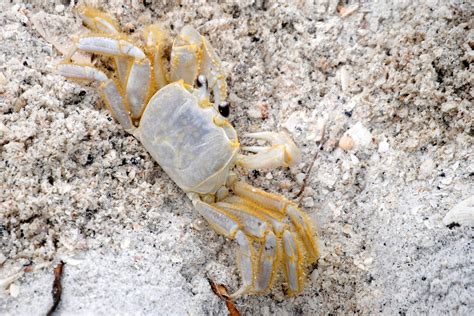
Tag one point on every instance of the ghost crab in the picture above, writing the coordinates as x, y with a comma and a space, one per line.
169, 110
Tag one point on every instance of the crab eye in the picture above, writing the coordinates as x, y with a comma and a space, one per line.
201, 81
224, 109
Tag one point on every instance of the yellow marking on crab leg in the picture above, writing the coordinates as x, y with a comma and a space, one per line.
138, 86
123, 66
212, 69
292, 264
155, 39
274, 218
281, 205
251, 224
305, 231
262, 198
185, 63
97, 20
186, 56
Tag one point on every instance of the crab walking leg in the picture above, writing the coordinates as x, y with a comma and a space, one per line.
292, 263
155, 39
139, 76
186, 56
282, 153
212, 69
97, 20
281, 205
267, 263
100, 22
109, 45
108, 89
228, 226
254, 225
138, 86
245, 255
263, 225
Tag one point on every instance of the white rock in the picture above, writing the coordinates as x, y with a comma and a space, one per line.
320, 127
384, 146
308, 201
462, 213
59, 8
300, 178
14, 290
448, 106
315, 276
345, 78
426, 169
295, 120
360, 136
125, 244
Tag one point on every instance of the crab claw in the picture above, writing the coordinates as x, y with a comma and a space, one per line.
282, 152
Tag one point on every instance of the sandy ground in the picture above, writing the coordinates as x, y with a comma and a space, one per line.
394, 80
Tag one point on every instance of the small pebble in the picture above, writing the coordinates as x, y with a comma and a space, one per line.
315, 276
449, 106
14, 290
59, 8
345, 77
360, 135
426, 169
384, 146
125, 243
346, 142
308, 201
346, 229
300, 178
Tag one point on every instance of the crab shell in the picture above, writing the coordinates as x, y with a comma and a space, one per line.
193, 144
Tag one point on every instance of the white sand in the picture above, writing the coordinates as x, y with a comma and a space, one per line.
75, 187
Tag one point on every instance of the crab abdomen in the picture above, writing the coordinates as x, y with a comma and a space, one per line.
185, 141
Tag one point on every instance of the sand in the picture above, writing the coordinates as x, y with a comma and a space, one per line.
391, 85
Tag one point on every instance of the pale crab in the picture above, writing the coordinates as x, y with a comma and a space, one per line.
168, 108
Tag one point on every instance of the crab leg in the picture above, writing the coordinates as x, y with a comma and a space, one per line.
138, 81
97, 20
155, 42
281, 205
228, 226
284, 245
107, 87
186, 56
212, 69
138, 86
292, 263
100, 22
283, 152
191, 56
268, 261
109, 45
